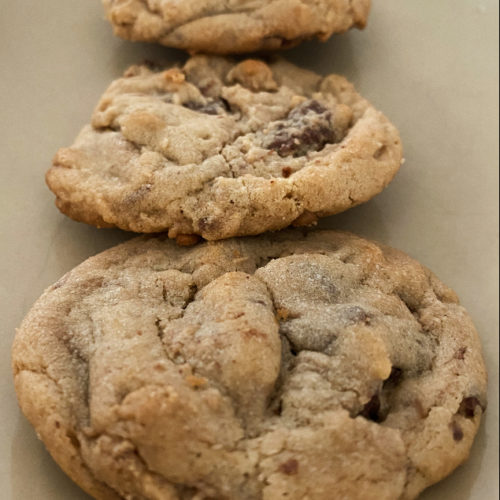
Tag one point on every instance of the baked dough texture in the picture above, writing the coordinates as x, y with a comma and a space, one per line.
221, 149
233, 26
312, 366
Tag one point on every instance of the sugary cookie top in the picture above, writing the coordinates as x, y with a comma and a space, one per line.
265, 368
235, 26
221, 148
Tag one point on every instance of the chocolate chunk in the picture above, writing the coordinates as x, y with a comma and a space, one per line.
287, 172
307, 128
306, 107
468, 407
290, 467
458, 433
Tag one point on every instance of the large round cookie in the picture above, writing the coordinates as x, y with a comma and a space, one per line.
220, 149
312, 367
235, 26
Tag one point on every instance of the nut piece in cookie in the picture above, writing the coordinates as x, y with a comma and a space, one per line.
274, 367
238, 26
221, 148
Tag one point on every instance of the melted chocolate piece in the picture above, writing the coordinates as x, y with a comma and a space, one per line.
468, 407
290, 467
379, 405
307, 128
458, 433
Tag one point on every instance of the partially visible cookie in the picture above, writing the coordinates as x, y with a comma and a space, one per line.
252, 369
237, 26
221, 149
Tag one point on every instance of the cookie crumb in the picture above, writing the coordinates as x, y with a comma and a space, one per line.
283, 314
187, 240
174, 75
196, 382
307, 219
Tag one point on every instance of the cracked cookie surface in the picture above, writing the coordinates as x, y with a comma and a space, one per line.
254, 369
235, 26
221, 149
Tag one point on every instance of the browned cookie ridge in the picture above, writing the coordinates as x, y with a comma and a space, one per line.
221, 149
235, 26
253, 369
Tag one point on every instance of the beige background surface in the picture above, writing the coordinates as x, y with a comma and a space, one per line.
432, 66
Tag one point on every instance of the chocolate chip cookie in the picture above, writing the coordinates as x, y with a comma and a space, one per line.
235, 26
255, 368
221, 149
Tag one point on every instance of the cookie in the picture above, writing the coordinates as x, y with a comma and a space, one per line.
238, 26
290, 366
221, 149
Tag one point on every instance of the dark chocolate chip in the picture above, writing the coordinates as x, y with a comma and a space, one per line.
458, 433
307, 128
73, 439
468, 407
290, 467
306, 107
